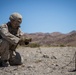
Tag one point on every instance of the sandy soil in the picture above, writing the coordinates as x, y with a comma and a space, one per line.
44, 61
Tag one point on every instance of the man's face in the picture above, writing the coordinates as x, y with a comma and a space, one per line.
15, 23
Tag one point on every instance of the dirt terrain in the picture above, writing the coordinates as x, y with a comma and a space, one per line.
44, 61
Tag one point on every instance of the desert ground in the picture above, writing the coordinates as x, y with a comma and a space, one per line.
44, 61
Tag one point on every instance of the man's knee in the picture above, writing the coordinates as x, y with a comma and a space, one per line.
16, 60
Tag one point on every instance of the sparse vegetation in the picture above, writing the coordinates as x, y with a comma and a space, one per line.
62, 45
33, 45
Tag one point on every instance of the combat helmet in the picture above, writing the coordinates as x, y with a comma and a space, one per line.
16, 16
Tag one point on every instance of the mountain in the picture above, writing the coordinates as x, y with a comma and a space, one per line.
55, 33
72, 32
54, 39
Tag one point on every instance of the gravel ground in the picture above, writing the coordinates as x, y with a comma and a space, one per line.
44, 61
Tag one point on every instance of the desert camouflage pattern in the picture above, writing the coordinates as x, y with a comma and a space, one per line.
9, 38
16, 16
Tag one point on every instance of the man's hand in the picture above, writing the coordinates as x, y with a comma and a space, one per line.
25, 40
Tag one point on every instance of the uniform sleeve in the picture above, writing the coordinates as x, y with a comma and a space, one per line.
8, 36
20, 33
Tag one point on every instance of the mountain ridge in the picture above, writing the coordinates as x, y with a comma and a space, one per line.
54, 38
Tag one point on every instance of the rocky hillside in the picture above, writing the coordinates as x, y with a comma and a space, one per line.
54, 39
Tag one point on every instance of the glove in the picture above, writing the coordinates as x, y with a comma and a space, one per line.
27, 41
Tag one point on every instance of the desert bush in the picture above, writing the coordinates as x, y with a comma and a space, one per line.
62, 45
34, 45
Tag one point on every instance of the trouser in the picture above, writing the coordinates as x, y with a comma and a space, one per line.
4, 50
7, 53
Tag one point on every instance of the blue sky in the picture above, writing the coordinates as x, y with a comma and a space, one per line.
45, 16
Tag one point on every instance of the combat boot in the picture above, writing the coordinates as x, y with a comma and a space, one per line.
0, 63
5, 63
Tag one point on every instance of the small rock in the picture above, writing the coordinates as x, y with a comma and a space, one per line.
53, 57
29, 66
16, 74
45, 56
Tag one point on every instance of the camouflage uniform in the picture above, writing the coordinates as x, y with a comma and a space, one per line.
9, 37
